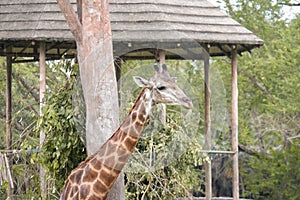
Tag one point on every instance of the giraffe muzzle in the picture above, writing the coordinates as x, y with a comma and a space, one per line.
187, 103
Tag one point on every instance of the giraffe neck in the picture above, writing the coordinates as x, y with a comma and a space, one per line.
94, 177
123, 141
134, 123
113, 155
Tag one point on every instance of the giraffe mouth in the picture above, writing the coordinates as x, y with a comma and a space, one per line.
187, 103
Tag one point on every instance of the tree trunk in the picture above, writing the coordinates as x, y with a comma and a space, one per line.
93, 35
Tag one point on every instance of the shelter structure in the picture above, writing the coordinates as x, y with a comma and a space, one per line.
139, 24
34, 30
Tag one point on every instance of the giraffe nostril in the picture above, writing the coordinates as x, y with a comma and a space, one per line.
187, 103
186, 99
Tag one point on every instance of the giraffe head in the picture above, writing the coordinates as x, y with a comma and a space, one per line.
164, 88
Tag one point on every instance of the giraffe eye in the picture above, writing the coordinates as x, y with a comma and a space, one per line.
161, 88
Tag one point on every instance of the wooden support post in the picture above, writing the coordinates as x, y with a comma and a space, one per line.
79, 10
207, 94
162, 57
163, 116
9, 113
234, 124
118, 65
42, 59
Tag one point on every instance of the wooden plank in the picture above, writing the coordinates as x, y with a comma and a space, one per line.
163, 26
60, 35
193, 3
33, 8
163, 17
35, 25
181, 36
21, 2
26, 2
31, 17
136, 8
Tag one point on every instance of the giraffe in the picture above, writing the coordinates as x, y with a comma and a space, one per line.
94, 177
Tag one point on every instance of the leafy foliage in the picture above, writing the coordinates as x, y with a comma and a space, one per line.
177, 179
63, 149
274, 176
268, 100
180, 179
167, 161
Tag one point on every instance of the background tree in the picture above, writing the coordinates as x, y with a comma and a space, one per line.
268, 100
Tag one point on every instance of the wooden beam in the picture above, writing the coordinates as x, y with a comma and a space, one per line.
234, 124
207, 118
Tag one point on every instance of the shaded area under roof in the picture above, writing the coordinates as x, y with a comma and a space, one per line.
139, 28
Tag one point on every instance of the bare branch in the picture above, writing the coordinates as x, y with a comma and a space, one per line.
27, 86
293, 137
260, 86
248, 151
72, 19
290, 4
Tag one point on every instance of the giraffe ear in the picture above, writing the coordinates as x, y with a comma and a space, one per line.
141, 82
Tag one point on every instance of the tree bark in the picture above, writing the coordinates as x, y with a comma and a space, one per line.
95, 57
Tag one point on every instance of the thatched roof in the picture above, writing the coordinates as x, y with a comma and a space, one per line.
136, 24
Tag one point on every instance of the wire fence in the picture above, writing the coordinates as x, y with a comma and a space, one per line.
23, 177
20, 173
